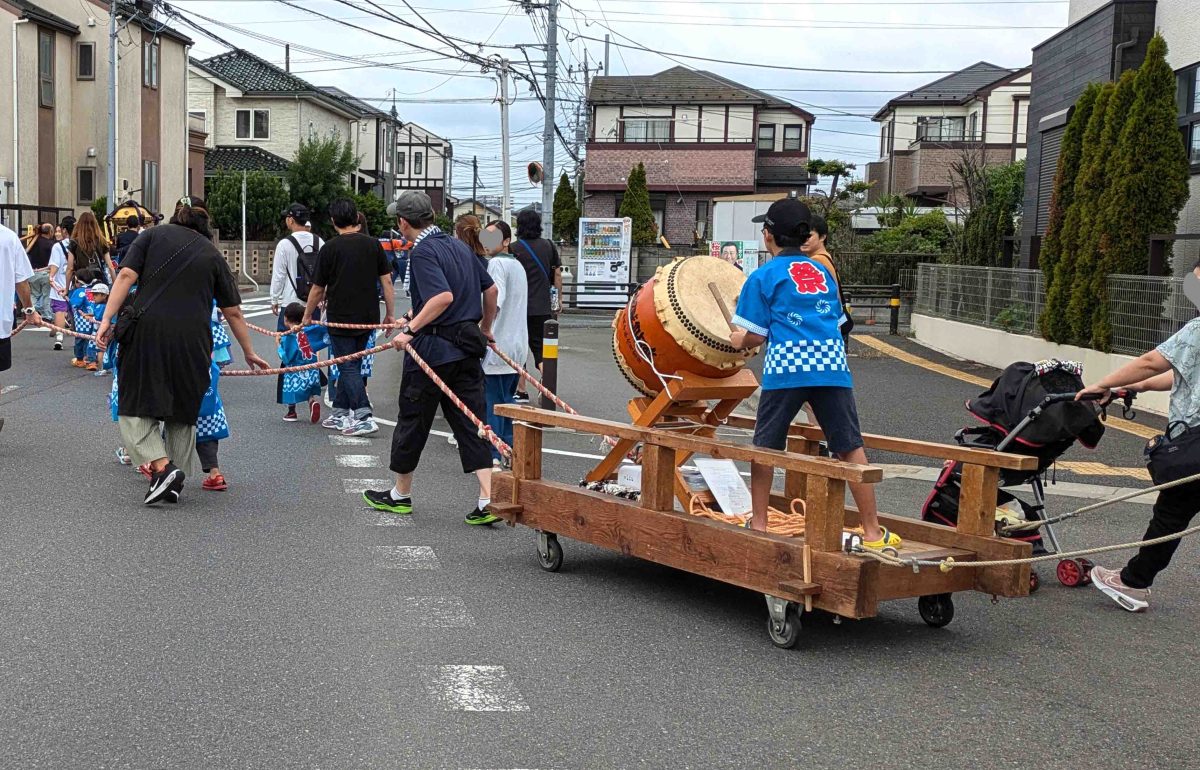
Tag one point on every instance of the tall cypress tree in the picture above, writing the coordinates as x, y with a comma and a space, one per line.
1063, 194
1149, 178
1093, 177
1057, 322
636, 206
566, 210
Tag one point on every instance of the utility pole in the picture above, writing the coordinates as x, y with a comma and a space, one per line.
505, 210
548, 126
394, 133
580, 132
112, 105
474, 182
606, 55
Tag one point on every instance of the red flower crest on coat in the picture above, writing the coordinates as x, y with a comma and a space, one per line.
808, 279
304, 345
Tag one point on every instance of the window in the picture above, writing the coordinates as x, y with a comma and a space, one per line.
150, 65
400, 163
973, 127
85, 61
793, 138
701, 219
150, 184
647, 130
87, 184
941, 129
253, 124
418, 163
45, 68
766, 137
1188, 96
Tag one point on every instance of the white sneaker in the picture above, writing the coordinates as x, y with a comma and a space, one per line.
361, 428
335, 422
451, 441
58, 340
1110, 584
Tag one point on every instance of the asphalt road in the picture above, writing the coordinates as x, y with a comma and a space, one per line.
281, 625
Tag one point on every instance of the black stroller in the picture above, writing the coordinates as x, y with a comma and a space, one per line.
1030, 409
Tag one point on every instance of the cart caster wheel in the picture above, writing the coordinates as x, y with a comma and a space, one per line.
786, 636
1035, 581
550, 552
1073, 572
936, 609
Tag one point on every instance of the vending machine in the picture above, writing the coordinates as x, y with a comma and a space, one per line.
603, 270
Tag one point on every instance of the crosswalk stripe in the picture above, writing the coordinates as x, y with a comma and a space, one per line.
359, 461
374, 518
408, 557
358, 486
474, 688
337, 440
434, 612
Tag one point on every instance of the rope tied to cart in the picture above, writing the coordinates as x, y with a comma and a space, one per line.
1011, 527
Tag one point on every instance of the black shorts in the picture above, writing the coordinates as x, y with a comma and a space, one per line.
833, 409
537, 334
5, 354
419, 401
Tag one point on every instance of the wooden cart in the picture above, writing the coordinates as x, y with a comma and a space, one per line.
793, 573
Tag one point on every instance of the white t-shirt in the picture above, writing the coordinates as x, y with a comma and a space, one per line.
283, 269
511, 328
58, 260
14, 268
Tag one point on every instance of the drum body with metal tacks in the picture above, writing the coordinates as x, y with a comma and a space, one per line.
673, 324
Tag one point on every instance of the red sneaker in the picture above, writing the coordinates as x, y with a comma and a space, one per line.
314, 412
146, 470
214, 483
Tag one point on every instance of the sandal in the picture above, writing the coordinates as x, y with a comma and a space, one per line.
889, 540
214, 483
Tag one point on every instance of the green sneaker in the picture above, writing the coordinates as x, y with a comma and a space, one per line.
382, 501
478, 517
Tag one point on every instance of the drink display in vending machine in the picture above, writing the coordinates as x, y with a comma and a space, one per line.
604, 250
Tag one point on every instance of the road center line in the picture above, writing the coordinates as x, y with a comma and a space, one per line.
475, 688
409, 557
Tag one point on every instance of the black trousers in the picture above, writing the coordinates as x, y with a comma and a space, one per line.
419, 402
1173, 512
207, 452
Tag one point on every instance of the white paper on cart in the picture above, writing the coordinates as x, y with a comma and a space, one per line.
725, 483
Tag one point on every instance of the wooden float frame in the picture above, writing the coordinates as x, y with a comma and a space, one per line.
812, 570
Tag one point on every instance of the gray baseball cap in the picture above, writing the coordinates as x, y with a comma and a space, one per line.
413, 205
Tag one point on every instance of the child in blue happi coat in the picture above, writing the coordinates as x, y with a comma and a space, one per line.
212, 425
109, 364
297, 350
98, 296
83, 315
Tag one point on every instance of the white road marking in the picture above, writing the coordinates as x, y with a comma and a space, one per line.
474, 688
374, 518
8, 389
405, 557
337, 440
359, 461
434, 612
358, 486
257, 313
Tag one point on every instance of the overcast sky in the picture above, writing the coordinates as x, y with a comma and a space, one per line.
885, 35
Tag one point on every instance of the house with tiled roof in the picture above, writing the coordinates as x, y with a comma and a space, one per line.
375, 138
256, 114
58, 159
699, 135
982, 109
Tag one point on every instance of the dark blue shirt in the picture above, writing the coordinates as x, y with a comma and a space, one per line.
439, 263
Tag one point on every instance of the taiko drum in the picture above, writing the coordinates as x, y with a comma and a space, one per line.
679, 324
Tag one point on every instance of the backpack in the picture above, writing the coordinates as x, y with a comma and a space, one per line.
306, 266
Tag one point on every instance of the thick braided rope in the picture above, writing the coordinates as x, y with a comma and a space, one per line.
305, 367
1028, 526
949, 563
327, 324
61, 329
485, 430
532, 380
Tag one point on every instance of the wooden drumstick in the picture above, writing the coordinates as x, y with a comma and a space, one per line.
712, 287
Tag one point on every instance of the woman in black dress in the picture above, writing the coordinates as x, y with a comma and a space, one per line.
163, 369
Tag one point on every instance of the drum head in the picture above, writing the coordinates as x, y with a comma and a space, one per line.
685, 304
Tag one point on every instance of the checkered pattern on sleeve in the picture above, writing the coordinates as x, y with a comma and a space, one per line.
220, 336
791, 356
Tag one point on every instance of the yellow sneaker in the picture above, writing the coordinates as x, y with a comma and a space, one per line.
889, 540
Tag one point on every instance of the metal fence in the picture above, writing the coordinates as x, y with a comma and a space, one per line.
860, 268
1143, 311
998, 298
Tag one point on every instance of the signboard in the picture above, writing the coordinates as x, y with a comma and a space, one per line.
741, 254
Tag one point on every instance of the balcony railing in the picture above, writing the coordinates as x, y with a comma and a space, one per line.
676, 140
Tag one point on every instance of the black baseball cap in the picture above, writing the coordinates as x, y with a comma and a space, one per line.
785, 217
297, 211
